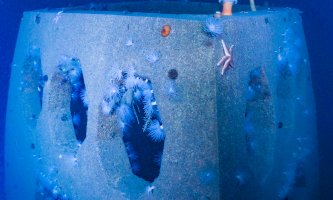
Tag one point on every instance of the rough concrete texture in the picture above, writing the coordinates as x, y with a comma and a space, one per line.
208, 152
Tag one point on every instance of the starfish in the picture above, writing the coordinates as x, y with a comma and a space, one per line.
227, 59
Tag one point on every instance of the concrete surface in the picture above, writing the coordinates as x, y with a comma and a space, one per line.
206, 151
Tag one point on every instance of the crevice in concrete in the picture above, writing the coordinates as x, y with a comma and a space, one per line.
72, 71
131, 98
32, 85
144, 138
258, 100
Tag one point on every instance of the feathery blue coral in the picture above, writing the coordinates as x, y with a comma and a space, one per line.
213, 27
153, 57
125, 113
155, 131
84, 97
132, 99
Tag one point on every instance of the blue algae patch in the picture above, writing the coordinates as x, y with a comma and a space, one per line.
213, 27
131, 98
72, 71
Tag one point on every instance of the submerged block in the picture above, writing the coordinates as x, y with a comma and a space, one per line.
147, 114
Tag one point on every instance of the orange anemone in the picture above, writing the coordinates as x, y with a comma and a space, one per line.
165, 30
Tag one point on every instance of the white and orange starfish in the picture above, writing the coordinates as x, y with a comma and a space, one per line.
227, 58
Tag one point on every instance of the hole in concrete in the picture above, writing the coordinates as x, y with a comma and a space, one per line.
173, 74
72, 71
280, 125
32, 84
258, 86
37, 19
132, 100
258, 107
144, 138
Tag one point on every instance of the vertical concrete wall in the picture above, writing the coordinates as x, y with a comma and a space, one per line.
249, 134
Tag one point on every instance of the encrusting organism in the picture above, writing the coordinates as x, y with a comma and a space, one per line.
129, 42
125, 113
213, 27
84, 97
156, 131
153, 57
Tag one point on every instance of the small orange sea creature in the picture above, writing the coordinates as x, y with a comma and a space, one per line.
166, 31
227, 8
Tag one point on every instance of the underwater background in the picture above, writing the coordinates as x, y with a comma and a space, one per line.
318, 27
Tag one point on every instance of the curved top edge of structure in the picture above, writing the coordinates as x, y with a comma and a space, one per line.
164, 8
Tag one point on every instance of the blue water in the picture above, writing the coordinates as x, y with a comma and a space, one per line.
318, 27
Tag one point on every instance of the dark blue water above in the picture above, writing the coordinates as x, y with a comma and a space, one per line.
318, 27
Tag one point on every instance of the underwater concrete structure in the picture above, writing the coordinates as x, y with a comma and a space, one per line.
85, 80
